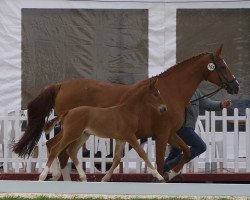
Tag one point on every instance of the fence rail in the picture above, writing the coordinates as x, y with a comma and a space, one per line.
227, 139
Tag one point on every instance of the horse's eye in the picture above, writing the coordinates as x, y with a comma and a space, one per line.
156, 93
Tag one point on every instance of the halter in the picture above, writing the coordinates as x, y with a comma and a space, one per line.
224, 81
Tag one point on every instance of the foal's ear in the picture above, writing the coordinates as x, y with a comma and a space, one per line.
218, 51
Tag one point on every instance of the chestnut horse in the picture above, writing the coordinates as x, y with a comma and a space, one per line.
116, 122
177, 85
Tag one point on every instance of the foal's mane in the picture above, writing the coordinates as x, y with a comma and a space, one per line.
133, 91
166, 72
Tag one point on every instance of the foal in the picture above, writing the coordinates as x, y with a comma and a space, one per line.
117, 122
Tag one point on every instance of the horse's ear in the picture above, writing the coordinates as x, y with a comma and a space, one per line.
218, 51
152, 82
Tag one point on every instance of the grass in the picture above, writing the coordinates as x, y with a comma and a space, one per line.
76, 197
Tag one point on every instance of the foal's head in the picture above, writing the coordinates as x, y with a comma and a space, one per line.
147, 94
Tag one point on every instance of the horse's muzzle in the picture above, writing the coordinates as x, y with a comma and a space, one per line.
233, 87
162, 108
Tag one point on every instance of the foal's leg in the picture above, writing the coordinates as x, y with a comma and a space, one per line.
160, 149
72, 150
55, 151
55, 168
63, 160
119, 146
135, 144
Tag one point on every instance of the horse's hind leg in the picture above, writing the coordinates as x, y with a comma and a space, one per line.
72, 150
135, 144
177, 142
119, 146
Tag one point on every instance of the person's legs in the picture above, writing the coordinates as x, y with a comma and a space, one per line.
172, 159
192, 139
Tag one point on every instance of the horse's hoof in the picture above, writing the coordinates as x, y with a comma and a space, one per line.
162, 181
179, 177
155, 180
168, 176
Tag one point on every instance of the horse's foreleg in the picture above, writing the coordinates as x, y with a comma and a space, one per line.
72, 150
135, 144
119, 146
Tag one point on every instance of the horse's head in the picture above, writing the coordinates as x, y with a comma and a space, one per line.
153, 98
219, 73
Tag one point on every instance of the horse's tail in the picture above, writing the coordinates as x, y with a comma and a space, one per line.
38, 109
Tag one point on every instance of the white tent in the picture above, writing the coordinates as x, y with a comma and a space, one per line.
161, 34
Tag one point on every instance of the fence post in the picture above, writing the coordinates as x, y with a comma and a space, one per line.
236, 140
247, 140
213, 147
207, 137
224, 132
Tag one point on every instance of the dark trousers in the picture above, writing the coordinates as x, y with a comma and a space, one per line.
192, 139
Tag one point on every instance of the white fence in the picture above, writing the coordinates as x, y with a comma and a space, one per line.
227, 139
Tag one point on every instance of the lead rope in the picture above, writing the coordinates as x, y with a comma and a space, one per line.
207, 95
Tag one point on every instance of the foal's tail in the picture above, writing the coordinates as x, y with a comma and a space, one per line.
50, 124
38, 109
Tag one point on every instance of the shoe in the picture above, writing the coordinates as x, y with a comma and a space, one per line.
168, 176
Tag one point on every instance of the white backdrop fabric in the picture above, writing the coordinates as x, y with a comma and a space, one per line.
162, 35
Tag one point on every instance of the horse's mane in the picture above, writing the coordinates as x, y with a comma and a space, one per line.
166, 72
163, 74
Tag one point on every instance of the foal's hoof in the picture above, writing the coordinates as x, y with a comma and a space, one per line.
83, 179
